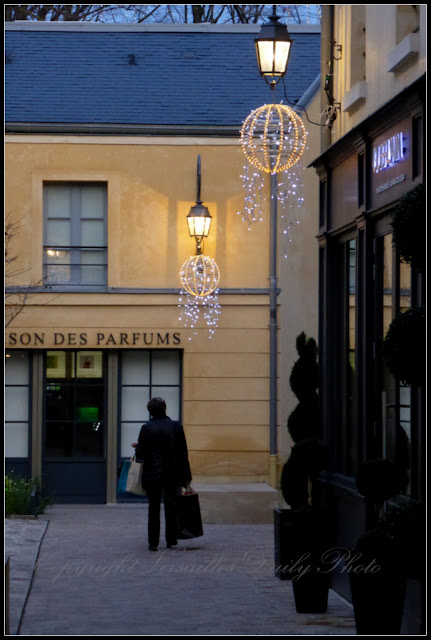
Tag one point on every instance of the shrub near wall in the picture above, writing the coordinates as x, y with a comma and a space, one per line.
22, 496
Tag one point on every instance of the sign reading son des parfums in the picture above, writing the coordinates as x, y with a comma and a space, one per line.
61, 339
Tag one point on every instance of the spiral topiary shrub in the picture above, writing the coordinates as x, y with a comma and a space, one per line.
378, 480
309, 455
404, 346
409, 227
304, 381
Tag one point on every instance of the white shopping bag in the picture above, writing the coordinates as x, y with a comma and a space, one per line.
134, 484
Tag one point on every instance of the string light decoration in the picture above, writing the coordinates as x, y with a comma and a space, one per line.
200, 277
273, 138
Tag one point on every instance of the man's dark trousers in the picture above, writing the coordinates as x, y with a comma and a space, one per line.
155, 491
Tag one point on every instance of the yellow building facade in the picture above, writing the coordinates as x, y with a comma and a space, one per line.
117, 343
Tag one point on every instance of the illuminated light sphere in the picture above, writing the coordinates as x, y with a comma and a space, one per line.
273, 138
200, 276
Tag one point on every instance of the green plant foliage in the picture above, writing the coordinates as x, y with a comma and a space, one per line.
378, 480
404, 346
409, 228
18, 496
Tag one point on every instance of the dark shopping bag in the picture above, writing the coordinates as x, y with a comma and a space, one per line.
189, 521
122, 480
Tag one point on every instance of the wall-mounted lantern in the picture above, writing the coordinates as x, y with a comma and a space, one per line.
199, 218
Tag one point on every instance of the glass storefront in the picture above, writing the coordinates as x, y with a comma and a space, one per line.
76, 410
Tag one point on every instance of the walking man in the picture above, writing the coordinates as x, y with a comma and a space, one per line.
162, 448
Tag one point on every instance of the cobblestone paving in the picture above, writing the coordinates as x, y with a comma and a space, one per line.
95, 576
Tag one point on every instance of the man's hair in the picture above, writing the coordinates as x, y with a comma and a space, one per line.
157, 407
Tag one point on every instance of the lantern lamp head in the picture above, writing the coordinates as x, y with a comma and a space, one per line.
273, 49
199, 217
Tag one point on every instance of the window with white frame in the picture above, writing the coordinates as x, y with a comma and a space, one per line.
17, 404
75, 233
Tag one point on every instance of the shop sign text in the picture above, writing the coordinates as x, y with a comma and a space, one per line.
99, 339
388, 153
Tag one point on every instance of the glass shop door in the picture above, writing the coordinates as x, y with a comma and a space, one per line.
74, 429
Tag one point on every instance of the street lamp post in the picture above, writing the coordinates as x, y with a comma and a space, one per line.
272, 49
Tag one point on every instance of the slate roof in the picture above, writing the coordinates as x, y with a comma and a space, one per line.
145, 75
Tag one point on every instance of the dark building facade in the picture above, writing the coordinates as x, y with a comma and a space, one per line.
366, 413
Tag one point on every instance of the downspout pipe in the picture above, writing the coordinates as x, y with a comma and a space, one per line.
273, 328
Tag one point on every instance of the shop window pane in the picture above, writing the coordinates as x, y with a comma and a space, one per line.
16, 403
350, 454
136, 367
89, 403
387, 282
405, 286
153, 370
92, 201
17, 368
171, 395
89, 439
89, 365
60, 365
59, 402
59, 439
16, 440
166, 368
129, 434
134, 403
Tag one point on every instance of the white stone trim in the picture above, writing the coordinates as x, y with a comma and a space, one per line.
403, 53
355, 96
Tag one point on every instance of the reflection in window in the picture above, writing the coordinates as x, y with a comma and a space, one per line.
351, 362
403, 437
387, 282
405, 286
74, 404
395, 397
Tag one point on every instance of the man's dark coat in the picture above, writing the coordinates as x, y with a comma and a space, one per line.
162, 448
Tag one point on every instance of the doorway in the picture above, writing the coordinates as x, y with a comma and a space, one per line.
74, 426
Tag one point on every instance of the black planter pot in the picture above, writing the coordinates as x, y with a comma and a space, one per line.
283, 519
378, 600
301, 538
311, 590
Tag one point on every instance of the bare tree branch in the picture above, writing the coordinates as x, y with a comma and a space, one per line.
16, 296
137, 13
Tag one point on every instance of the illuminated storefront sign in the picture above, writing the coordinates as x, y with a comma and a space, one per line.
388, 153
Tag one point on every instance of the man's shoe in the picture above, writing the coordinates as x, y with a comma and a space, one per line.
153, 548
173, 544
